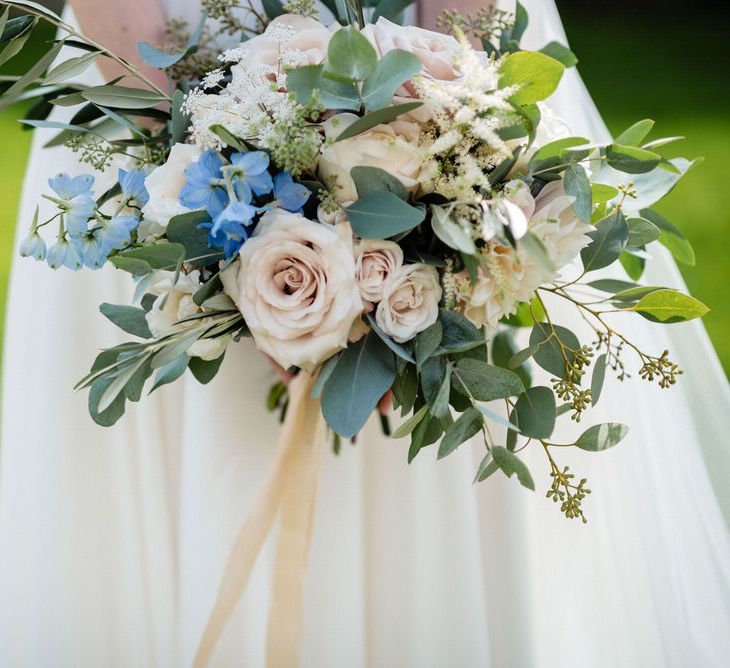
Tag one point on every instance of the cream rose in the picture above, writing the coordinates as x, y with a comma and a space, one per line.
174, 303
165, 183
437, 52
393, 147
376, 263
410, 302
295, 285
303, 36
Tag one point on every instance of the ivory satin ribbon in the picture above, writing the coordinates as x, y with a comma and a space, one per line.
290, 490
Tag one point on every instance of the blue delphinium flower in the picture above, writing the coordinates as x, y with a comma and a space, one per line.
91, 249
250, 174
76, 201
289, 195
133, 188
117, 232
64, 254
229, 229
203, 189
33, 246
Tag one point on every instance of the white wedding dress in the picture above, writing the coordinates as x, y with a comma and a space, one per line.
113, 541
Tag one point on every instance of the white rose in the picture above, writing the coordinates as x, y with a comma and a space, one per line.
410, 302
376, 262
438, 53
302, 36
165, 183
393, 147
174, 303
295, 285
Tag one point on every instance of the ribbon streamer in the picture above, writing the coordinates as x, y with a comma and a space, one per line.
290, 489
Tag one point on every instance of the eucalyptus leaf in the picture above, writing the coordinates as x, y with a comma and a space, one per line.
128, 318
351, 55
636, 134
370, 120
535, 74
510, 464
364, 373
303, 81
440, 406
597, 379
608, 241
369, 180
158, 256
380, 215
641, 232
452, 233
70, 68
602, 436
458, 334
111, 414
393, 70
428, 341
561, 53
669, 306
486, 468
554, 345
577, 185
174, 348
205, 370
486, 382
671, 237
396, 347
467, 425
630, 159
535, 412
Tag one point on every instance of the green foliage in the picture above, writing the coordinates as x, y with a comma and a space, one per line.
393, 70
364, 372
608, 241
380, 215
350, 56
128, 318
535, 74
601, 437
535, 412
669, 306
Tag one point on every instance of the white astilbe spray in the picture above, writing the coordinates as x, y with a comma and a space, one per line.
466, 116
255, 105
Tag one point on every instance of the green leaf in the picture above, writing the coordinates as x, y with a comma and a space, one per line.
351, 55
411, 423
381, 215
183, 230
428, 431
535, 412
16, 43
641, 232
603, 193
129, 318
536, 74
394, 69
135, 385
549, 354
303, 81
669, 306
630, 159
602, 436
205, 370
672, 238
158, 256
497, 418
636, 134
561, 53
536, 248
459, 334
486, 468
520, 357
553, 154
365, 371
396, 347
486, 382
180, 120
120, 379
427, 342
369, 121
121, 97
577, 185
504, 352
440, 406
599, 375
170, 372
370, 180
467, 425
611, 285
510, 464
608, 241
633, 265
273, 8
70, 68
431, 376
405, 388
390, 9
39, 8
14, 27
453, 234
112, 413
174, 348
35, 71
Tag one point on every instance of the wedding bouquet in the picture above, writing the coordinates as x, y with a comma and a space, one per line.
386, 209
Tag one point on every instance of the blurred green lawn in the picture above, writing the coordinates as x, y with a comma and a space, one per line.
633, 71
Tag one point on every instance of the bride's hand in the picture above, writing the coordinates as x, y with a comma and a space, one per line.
119, 26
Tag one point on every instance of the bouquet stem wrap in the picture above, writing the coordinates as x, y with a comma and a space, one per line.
291, 492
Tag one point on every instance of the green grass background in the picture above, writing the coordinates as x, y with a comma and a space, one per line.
672, 71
